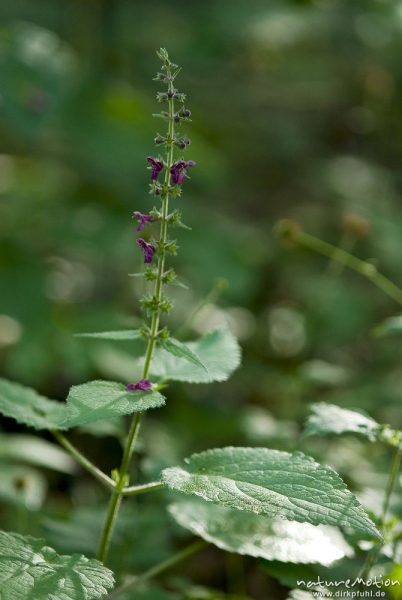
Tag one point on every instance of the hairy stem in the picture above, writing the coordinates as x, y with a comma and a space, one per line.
123, 476
158, 569
83, 460
141, 489
339, 255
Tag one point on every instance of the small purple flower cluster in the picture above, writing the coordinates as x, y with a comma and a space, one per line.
178, 173
178, 170
143, 385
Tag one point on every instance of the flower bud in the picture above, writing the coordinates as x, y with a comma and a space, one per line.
355, 224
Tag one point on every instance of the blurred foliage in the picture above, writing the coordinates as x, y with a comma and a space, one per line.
296, 112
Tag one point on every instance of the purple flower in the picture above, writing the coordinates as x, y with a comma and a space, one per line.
178, 171
156, 167
142, 219
143, 384
147, 249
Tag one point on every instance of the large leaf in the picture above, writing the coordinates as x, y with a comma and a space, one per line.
274, 483
328, 418
26, 406
259, 536
128, 334
29, 570
218, 351
106, 399
181, 350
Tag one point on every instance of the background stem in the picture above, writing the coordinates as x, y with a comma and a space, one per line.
163, 566
366, 269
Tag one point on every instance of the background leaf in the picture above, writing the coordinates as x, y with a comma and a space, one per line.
391, 326
22, 486
274, 483
259, 536
218, 351
105, 399
35, 451
30, 408
31, 570
328, 418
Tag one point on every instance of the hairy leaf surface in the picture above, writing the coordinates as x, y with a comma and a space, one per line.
218, 351
259, 536
29, 570
329, 418
26, 406
274, 483
105, 399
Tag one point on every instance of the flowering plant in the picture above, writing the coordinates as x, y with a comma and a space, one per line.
254, 501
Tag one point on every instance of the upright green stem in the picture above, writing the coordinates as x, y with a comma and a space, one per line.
123, 475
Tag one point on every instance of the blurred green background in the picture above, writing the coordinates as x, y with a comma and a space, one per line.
296, 111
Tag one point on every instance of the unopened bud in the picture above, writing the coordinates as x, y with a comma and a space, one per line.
355, 224
287, 230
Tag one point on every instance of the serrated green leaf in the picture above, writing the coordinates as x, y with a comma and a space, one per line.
129, 334
181, 350
274, 483
26, 406
218, 351
98, 400
259, 536
328, 418
30, 570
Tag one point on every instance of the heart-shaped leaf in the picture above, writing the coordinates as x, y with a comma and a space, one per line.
274, 483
